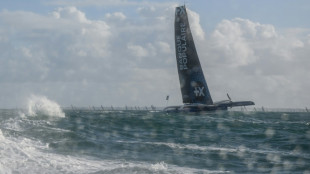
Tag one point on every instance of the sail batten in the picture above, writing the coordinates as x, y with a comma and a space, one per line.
193, 85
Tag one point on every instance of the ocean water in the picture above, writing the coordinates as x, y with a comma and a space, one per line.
88, 141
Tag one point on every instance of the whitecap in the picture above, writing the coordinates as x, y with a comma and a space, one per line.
23, 155
41, 105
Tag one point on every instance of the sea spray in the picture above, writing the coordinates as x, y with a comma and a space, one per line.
41, 105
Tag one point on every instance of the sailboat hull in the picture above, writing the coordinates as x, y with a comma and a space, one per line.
191, 108
207, 108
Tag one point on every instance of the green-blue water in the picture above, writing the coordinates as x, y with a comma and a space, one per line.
154, 142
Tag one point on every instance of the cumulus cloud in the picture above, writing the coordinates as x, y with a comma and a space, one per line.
137, 50
119, 60
115, 16
83, 3
196, 28
77, 60
238, 38
259, 62
70, 13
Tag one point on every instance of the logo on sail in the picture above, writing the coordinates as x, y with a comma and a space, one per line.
199, 91
182, 47
180, 10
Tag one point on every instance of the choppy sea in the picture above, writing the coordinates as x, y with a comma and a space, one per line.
89, 141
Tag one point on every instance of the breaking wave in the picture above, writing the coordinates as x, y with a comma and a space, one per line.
23, 155
41, 105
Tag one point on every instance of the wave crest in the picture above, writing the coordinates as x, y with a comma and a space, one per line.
41, 105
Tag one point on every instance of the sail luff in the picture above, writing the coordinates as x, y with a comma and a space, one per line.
193, 85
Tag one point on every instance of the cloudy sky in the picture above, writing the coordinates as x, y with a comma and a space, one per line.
118, 52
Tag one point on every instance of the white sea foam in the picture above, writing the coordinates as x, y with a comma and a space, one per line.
38, 105
194, 147
160, 166
240, 150
23, 155
21, 114
12, 124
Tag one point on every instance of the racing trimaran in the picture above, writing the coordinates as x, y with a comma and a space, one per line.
195, 92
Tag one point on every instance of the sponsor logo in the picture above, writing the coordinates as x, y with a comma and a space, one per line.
199, 91
182, 48
180, 10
